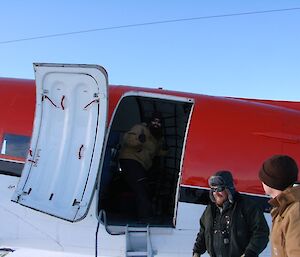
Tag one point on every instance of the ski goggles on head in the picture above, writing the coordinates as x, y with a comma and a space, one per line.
218, 189
216, 181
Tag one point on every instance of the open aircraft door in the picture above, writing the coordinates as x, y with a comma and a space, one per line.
66, 146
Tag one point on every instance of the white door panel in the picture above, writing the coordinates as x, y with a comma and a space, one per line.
70, 120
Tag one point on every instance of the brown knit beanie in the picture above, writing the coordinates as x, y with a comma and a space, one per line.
279, 172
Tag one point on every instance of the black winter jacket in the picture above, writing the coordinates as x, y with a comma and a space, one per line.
249, 229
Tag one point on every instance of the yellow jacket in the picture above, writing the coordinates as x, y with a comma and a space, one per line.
143, 152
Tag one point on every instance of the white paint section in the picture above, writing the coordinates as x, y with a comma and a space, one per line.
42, 253
188, 215
25, 229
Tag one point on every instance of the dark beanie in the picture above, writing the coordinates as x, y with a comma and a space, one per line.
156, 115
279, 172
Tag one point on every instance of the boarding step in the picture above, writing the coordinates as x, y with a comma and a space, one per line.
138, 242
137, 254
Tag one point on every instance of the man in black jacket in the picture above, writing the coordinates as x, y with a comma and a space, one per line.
230, 226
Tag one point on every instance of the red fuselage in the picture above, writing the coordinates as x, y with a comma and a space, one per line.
223, 134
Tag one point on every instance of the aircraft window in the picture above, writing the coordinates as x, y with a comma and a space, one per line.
11, 168
15, 145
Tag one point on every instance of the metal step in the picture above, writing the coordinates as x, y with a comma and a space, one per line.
137, 254
138, 242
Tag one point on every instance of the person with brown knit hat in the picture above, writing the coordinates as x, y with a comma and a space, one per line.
231, 225
279, 175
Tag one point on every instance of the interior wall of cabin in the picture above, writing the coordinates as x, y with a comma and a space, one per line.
116, 197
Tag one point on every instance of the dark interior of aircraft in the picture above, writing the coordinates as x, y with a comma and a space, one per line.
116, 197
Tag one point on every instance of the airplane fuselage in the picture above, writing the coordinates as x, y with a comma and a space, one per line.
203, 134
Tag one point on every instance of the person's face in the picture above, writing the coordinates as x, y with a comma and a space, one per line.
156, 123
270, 191
266, 188
220, 194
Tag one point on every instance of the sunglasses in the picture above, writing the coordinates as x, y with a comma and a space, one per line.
157, 123
217, 189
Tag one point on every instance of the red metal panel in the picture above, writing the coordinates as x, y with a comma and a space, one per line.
225, 133
237, 135
17, 106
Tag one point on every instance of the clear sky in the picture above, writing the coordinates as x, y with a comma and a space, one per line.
219, 53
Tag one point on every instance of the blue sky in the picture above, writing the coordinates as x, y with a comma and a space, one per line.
253, 56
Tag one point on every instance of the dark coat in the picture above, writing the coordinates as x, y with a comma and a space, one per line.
249, 229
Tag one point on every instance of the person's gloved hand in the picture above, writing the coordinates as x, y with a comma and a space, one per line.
142, 138
196, 255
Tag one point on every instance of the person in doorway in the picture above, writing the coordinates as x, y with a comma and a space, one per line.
231, 226
278, 174
139, 147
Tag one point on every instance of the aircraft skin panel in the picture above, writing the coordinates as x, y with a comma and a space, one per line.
17, 110
237, 135
17, 106
67, 125
222, 125
286, 104
244, 121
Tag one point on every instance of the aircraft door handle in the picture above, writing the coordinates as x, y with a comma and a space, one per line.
62, 102
80, 152
94, 101
46, 97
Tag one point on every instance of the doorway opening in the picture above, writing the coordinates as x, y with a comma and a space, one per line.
116, 197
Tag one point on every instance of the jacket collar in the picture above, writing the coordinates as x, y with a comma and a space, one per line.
283, 200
